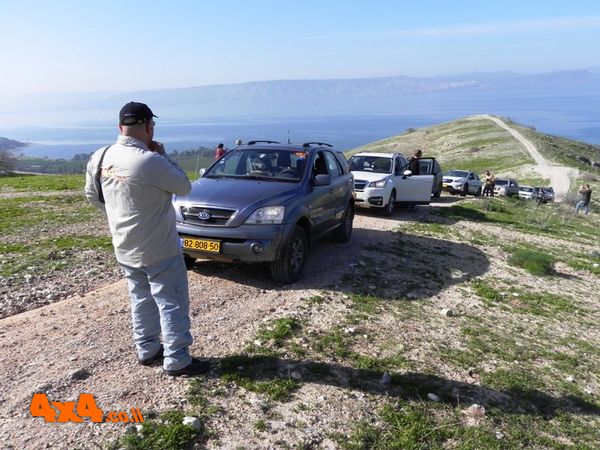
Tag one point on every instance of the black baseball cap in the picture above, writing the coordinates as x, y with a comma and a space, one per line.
134, 113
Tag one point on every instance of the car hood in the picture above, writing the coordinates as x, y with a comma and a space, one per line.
369, 176
241, 195
452, 179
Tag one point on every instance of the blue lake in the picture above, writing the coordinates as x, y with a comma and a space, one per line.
575, 117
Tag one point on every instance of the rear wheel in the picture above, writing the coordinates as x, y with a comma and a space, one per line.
438, 191
478, 193
289, 267
344, 231
391, 205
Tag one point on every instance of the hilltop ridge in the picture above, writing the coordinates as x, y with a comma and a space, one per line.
480, 142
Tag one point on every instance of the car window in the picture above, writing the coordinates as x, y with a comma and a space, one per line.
319, 165
276, 164
333, 165
343, 162
456, 173
366, 163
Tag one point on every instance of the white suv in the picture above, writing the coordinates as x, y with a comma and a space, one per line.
381, 180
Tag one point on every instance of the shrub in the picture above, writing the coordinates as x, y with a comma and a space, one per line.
533, 261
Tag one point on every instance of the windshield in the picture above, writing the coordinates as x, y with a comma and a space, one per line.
501, 182
375, 164
526, 189
263, 164
456, 173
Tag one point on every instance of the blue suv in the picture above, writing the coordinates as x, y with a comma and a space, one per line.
267, 202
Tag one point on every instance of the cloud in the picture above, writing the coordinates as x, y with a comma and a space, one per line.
547, 24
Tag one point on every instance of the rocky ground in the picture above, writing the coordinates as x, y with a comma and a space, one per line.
417, 278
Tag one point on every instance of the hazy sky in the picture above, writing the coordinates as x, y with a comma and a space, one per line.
68, 45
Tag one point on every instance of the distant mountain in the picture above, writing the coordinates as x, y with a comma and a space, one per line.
301, 97
10, 144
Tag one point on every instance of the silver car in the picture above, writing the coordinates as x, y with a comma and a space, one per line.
461, 182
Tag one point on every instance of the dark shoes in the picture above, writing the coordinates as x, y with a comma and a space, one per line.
158, 356
196, 367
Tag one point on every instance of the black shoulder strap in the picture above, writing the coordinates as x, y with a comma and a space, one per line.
98, 176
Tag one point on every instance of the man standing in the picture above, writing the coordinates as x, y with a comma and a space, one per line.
489, 183
585, 195
413, 163
132, 181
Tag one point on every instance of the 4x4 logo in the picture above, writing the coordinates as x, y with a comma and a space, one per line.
86, 407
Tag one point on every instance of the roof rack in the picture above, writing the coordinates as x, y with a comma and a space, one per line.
263, 142
308, 144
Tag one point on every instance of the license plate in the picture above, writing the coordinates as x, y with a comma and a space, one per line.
201, 245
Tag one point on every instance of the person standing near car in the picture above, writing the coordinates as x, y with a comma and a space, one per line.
489, 183
133, 181
585, 196
413, 163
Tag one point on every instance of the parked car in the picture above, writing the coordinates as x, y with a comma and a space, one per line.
549, 192
461, 182
506, 186
432, 166
526, 192
381, 180
266, 202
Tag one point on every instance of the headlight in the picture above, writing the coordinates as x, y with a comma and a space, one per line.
268, 215
378, 184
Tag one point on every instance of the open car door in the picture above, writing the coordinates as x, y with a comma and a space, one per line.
415, 189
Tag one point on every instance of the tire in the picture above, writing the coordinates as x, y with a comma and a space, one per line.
391, 205
289, 267
344, 231
465, 190
438, 192
189, 262
478, 193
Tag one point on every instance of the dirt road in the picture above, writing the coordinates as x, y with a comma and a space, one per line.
560, 176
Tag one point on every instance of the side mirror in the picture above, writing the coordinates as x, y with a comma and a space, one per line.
201, 172
322, 180
407, 173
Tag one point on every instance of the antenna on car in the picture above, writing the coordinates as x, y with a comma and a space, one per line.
263, 142
308, 144
289, 142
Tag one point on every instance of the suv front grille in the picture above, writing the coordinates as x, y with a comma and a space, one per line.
215, 216
359, 185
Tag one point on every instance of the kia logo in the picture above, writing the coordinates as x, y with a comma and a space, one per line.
203, 215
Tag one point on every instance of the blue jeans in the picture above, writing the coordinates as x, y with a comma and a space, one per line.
160, 303
582, 204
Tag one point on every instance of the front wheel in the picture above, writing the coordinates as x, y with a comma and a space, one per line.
389, 208
289, 267
344, 231
465, 190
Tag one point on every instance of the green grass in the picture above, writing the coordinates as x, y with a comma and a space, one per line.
50, 254
553, 220
533, 261
258, 374
167, 433
41, 183
22, 215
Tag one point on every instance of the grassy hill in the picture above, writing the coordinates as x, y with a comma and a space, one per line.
478, 144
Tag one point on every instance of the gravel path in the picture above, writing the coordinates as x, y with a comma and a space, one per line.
560, 176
